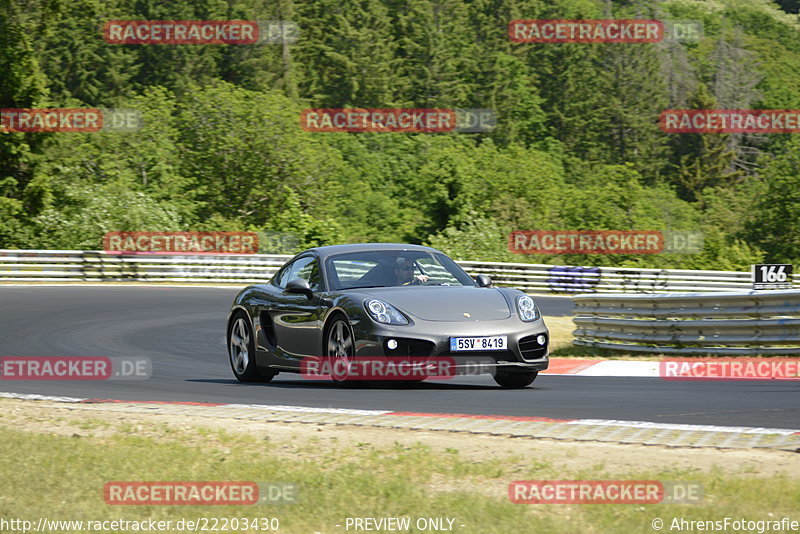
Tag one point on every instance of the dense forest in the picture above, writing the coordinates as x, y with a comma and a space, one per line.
577, 144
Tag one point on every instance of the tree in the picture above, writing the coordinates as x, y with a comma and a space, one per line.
240, 147
437, 47
679, 75
735, 86
349, 55
23, 86
776, 222
263, 67
574, 96
703, 159
636, 95
79, 64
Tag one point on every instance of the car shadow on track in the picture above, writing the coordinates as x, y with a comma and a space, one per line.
326, 384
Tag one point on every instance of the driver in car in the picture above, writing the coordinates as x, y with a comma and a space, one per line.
404, 273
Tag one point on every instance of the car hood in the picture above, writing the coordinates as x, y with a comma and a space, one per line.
446, 303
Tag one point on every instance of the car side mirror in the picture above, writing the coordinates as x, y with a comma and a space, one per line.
484, 280
298, 285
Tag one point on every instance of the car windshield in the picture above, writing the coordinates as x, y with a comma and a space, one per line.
387, 268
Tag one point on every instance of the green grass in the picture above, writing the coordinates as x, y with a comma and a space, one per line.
62, 477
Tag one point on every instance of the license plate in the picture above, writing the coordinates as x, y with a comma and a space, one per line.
460, 344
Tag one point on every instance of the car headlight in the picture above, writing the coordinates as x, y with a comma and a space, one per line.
385, 313
527, 308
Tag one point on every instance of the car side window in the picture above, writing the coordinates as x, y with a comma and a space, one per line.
288, 273
280, 279
308, 271
306, 268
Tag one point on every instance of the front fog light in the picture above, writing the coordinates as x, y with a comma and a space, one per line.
541, 340
392, 344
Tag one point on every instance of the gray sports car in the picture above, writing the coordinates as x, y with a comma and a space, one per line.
380, 302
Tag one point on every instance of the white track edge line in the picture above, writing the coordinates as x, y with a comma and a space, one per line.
678, 426
34, 396
348, 411
308, 409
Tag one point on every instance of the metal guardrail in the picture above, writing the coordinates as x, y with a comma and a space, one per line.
97, 266
566, 279
744, 323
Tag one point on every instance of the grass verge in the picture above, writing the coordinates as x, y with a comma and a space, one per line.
49, 473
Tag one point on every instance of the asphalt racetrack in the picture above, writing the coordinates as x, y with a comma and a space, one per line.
182, 331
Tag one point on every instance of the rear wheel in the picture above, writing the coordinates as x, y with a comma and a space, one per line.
515, 379
242, 351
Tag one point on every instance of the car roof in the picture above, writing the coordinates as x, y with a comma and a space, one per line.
331, 250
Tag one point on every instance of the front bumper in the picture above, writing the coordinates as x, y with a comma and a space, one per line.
432, 338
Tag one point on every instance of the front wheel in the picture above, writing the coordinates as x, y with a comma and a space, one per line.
515, 379
242, 351
340, 350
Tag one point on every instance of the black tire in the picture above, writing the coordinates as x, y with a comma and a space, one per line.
242, 350
339, 348
515, 379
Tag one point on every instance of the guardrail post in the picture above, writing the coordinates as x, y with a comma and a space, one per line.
127, 269
84, 266
90, 268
